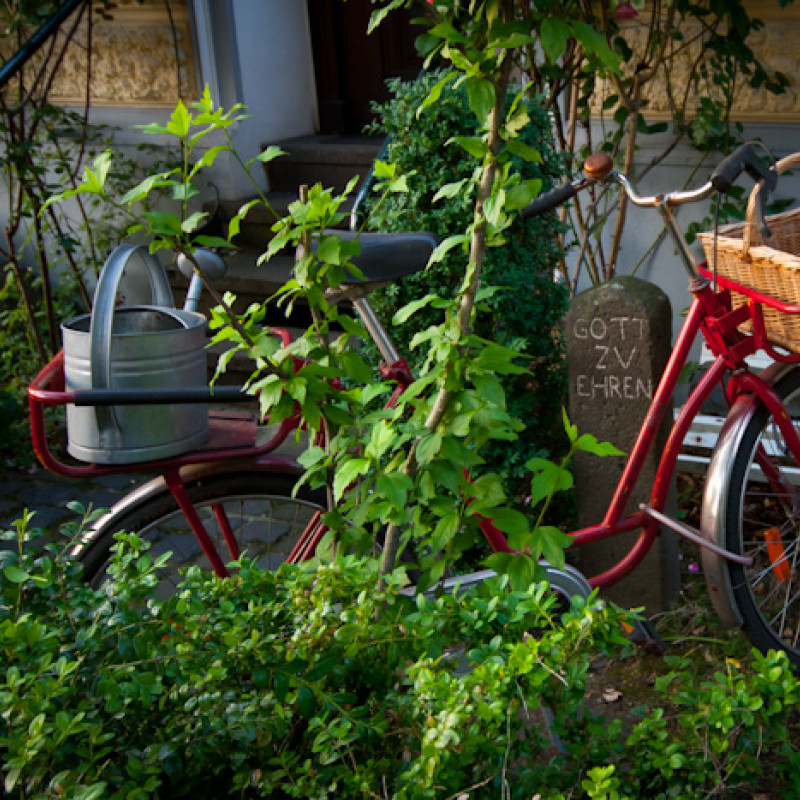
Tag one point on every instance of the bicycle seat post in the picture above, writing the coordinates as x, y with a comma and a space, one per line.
376, 330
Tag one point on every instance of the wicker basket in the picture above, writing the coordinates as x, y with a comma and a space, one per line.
773, 270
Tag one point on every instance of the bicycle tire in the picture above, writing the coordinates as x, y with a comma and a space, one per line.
764, 524
266, 520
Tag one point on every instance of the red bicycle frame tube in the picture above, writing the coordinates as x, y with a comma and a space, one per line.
705, 303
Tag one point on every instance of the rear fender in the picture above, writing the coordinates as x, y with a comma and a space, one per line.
717, 489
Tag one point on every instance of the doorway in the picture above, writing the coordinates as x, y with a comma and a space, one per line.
351, 67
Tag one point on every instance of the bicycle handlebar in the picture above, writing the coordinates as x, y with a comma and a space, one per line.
595, 168
599, 167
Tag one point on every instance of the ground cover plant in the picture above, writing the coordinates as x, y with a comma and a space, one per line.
306, 683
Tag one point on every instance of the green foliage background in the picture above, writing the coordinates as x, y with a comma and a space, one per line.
525, 311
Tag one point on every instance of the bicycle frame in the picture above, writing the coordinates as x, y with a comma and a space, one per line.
711, 314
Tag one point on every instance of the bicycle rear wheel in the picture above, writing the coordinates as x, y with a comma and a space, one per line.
266, 522
762, 521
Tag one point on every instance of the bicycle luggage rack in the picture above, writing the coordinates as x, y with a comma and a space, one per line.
752, 311
232, 435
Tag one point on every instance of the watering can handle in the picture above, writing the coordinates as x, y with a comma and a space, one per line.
105, 297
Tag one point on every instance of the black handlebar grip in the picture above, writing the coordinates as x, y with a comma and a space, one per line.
730, 168
548, 201
743, 159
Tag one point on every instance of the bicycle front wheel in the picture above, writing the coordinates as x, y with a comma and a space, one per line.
762, 522
257, 509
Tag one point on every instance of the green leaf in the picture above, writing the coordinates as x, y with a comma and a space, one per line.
379, 14
595, 44
548, 479
15, 574
552, 543
193, 222
587, 443
347, 473
446, 529
570, 429
510, 521
435, 93
395, 486
450, 190
428, 447
521, 571
270, 153
555, 35
306, 702
519, 196
164, 223
322, 669
141, 191
411, 308
444, 247
180, 121
480, 95
476, 146
281, 686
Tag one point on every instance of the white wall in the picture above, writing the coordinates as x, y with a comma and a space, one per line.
255, 52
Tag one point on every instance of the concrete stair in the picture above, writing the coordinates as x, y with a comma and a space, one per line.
329, 160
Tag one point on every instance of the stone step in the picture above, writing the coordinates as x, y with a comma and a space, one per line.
327, 159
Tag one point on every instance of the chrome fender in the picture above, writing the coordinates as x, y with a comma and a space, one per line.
717, 488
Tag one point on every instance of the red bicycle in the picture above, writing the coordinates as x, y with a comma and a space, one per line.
234, 494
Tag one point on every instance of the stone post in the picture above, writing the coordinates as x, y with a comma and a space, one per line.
618, 339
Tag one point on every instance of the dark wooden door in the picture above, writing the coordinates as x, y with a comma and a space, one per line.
350, 67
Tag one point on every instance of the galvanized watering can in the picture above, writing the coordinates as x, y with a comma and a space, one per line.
152, 346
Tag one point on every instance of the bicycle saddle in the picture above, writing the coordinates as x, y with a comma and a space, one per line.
388, 256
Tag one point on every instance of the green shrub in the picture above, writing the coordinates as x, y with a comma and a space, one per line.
526, 309
320, 685
295, 684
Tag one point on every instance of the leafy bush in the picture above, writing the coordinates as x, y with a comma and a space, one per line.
525, 309
320, 684
295, 684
